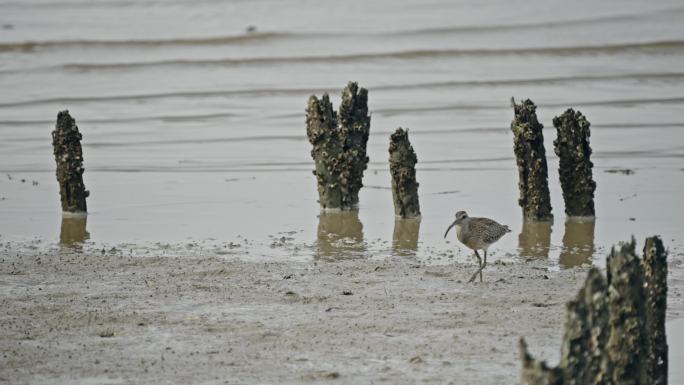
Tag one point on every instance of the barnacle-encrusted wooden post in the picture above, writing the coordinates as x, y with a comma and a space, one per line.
339, 146
528, 144
585, 331
66, 142
403, 169
355, 124
583, 342
626, 343
655, 286
573, 150
321, 128
615, 328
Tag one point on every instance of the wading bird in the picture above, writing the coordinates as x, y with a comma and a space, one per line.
477, 234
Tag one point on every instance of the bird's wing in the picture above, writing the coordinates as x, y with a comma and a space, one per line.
490, 229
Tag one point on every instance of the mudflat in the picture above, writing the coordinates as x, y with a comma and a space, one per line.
74, 317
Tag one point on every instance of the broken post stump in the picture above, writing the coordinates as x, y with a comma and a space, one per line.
66, 142
403, 169
339, 146
655, 287
528, 145
575, 167
615, 327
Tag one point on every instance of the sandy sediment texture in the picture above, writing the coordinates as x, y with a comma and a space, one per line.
66, 142
110, 317
528, 145
339, 146
403, 169
615, 328
575, 167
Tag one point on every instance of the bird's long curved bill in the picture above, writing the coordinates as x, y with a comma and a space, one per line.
449, 228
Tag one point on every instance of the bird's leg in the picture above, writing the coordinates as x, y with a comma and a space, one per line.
479, 263
483, 264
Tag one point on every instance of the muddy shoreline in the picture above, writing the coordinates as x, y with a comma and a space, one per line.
109, 317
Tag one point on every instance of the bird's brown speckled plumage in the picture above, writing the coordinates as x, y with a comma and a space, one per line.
479, 233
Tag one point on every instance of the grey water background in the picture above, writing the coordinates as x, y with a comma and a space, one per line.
194, 127
194, 135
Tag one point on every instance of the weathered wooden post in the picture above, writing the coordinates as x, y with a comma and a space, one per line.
66, 142
403, 169
627, 331
528, 144
615, 328
575, 167
655, 287
339, 146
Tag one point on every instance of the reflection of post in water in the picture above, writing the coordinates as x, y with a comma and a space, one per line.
535, 239
578, 242
73, 231
340, 235
405, 237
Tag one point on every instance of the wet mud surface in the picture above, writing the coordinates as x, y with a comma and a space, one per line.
109, 317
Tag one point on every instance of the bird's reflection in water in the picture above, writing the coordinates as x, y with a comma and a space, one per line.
73, 231
535, 239
578, 242
340, 235
405, 237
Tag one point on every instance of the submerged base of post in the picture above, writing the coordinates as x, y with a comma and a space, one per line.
534, 239
74, 214
339, 235
405, 236
578, 241
73, 230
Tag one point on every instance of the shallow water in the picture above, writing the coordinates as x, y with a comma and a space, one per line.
194, 128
